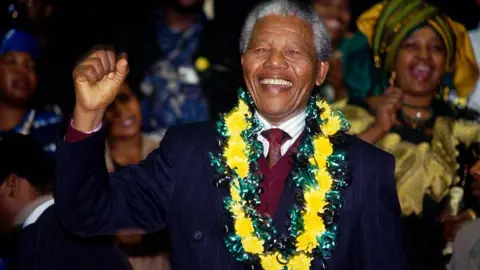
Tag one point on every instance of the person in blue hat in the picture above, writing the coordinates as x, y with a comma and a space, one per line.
19, 53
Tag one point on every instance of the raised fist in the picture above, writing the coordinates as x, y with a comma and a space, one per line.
98, 79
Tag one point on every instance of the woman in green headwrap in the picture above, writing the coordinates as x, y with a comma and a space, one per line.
404, 63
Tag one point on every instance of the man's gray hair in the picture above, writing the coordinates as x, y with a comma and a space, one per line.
289, 8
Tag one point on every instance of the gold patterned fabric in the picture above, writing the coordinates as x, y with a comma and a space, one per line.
424, 168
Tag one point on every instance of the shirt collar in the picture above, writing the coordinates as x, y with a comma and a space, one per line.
32, 211
292, 127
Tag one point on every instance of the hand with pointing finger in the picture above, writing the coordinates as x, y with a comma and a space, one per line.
97, 81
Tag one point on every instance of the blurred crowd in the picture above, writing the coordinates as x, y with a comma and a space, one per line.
404, 73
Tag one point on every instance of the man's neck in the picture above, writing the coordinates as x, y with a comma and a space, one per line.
11, 116
179, 22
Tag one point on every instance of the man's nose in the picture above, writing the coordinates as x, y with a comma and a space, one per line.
276, 60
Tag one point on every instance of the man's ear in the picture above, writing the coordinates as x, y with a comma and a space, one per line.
12, 185
241, 59
322, 70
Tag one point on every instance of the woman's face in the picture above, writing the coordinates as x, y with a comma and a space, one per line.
18, 78
124, 116
420, 63
336, 15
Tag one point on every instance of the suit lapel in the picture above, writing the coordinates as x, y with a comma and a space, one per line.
285, 204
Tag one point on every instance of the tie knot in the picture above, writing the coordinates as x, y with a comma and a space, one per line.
275, 136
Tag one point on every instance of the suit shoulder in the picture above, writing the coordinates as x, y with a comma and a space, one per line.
201, 133
357, 147
39, 235
192, 130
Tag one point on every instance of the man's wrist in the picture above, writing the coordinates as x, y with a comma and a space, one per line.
86, 121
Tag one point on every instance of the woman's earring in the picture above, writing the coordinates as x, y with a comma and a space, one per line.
393, 76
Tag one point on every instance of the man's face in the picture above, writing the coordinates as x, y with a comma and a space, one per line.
280, 67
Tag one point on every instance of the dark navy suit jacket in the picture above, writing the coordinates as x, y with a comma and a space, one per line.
45, 245
173, 188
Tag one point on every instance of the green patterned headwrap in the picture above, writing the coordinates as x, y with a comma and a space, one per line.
370, 55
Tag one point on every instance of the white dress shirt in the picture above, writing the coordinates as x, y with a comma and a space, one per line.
292, 127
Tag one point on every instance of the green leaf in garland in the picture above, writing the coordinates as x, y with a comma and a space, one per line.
296, 222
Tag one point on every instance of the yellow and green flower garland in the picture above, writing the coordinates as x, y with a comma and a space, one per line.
319, 172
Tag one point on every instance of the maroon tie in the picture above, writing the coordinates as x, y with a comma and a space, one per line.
275, 137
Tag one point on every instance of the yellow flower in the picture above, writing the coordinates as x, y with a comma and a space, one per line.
331, 126
300, 262
235, 123
313, 223
252, 244
202, 63
235, 193
243, 226
307, 241
243, 108
322, 146
322, 104
270, 261
315, 201
319, 160
324, 180
322, 149
236, 158
237, 210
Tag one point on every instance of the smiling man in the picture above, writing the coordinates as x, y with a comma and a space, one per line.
275, 184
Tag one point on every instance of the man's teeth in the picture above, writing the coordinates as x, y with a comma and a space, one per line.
276, 82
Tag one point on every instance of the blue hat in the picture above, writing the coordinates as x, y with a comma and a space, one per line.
20, 41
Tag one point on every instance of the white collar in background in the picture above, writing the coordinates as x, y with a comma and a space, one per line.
33, 211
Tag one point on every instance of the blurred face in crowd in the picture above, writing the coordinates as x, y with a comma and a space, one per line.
420, 62
37, 10
187, 6
124, 115
18, 78
280, 67
15, 194
475, 173
336, 15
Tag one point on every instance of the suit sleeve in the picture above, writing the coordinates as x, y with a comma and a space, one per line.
91, 202
380, 243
